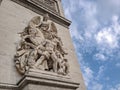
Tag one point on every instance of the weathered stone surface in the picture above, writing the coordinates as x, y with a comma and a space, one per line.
14, 17
11, 22
45, 79
0, 1
41, 48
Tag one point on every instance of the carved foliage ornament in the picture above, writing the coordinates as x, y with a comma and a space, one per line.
41, 48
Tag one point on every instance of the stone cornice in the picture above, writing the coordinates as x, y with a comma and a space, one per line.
42, 78
40, 9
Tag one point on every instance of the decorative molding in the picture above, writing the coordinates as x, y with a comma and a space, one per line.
42, 78
42, 10
8, 86
47, 80
49, 4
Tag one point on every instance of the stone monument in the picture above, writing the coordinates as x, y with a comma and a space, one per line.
36, 51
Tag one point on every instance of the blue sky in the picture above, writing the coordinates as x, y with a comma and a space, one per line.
95, 31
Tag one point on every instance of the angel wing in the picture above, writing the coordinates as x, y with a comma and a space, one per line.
35, 21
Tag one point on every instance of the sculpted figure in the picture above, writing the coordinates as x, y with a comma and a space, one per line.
21, 57
34, 27
47, 54
65, 66
58, 43
62, 64
29, 41
47, 27
41, 48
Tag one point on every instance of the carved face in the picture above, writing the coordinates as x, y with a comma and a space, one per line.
57, 53
46, 17
32, 32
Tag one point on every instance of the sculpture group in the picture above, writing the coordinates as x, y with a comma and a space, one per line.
41, 48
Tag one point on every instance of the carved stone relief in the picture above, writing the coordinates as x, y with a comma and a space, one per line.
41, 48
51, 4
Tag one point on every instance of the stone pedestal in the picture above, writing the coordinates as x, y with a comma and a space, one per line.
42, 80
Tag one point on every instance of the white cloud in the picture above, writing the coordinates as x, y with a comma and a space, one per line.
117, 64
89, 78
108, 37
113, 89
115, 19
107, 78
73, 5
87, 75
68, 13
87, 71
69, 10
97, 86
74, 32
100, 57
116, 25
100, 72
107, 8
105, 40
101, 69
115, 3
72, 11
89, 17
117, 87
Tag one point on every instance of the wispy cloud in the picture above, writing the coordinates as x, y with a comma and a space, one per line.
96, 86
117, 87
108, 36
117, 64
100, 56
100, 72
91, 80
88, 75
95, 30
